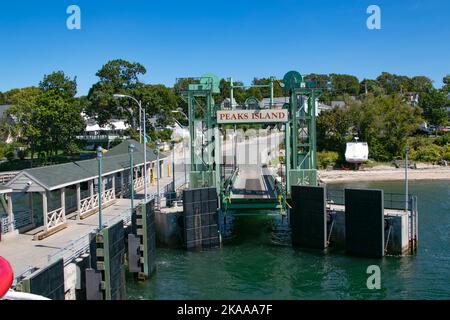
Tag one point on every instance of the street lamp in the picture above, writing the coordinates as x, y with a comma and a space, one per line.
131, 148
100, 185
139, 103
142, 131
180, 111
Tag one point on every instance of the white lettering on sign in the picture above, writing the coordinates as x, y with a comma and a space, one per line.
252, 116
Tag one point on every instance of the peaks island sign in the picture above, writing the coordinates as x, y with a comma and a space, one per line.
252, 116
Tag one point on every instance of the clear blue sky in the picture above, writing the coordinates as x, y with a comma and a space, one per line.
241, 39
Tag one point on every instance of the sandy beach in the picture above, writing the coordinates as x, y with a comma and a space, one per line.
386, 173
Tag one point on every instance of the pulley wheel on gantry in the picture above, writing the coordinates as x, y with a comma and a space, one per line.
292, 80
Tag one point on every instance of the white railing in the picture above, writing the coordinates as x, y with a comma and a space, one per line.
89, 204
138, 183
108, 195
55, 218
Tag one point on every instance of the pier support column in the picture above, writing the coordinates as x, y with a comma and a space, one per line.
114, 184
78, 200
308, 217
10, 211
63, 203
122, 185
45, 209
91, 187
31, 205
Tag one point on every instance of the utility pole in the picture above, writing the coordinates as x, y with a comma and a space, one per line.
130, 152
145, 156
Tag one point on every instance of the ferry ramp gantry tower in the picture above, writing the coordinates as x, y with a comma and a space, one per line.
207, 119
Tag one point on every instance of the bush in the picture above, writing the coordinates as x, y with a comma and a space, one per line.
327, 158
419, 142
443, 140
431, 153
446, 153
10, 154
72, 148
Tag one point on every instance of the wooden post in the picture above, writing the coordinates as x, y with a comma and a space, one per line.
30, 204
63, 203
121, 185
168, 170
114, 184
78, 201
10, 211
44, 209
91, 187
153, 174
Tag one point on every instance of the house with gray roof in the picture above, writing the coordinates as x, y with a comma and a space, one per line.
70, 190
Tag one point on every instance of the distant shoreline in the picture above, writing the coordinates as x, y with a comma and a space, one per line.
384, 173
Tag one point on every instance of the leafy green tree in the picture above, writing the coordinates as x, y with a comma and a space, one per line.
385, 123
59, 84
116, 76
49, 117
265, 92
2, 98
333, 130
446, 81
433, 105
344, 84
238, 93
321, 80
371, 86
160, 101
24, 106
421, 84
392, 83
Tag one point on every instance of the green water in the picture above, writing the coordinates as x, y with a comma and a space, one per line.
258, 262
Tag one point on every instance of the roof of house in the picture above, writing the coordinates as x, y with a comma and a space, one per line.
112, 125
4, 189
66, 174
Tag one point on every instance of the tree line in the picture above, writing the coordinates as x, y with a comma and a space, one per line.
48, 117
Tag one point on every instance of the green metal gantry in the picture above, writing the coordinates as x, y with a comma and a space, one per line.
300, 131
205, 148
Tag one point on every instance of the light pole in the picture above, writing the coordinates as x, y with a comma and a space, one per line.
139, 103
100, 185
179, 110
173, 164
145, 157
130, 152
142, 131
158, 201
406, 178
